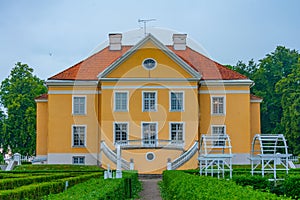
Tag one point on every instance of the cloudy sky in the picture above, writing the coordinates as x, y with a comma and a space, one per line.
51, 35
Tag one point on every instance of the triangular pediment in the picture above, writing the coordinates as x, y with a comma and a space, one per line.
167, 63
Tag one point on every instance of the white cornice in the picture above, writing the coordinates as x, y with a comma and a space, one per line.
224, 92
256, 101
130, 87
242, 82
161, 46
70, 83
74, 92
41, 100
148, 79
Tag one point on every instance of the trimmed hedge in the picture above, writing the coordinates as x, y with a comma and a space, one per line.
57, 168
180, 185
38, 190
98, 188
11, 183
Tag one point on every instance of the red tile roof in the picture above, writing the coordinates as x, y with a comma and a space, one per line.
42, 97
253, 97
90, 68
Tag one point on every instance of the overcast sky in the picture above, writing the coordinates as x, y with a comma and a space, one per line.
52, 35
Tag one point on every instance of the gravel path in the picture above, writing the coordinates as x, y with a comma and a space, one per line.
150, 189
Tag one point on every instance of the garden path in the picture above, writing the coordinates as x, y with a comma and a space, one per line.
150, 189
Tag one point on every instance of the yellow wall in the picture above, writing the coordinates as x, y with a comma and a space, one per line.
255, 119
133, 68
42, 129
61, 120
237, 118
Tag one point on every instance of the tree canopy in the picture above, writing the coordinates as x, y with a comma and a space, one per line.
17, 93
276, 78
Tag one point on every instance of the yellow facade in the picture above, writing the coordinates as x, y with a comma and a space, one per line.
56, 119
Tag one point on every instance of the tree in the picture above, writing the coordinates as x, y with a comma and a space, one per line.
277, 81
289, 89
17, 93
247, 70
271, 70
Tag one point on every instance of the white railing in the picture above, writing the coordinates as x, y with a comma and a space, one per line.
186, 156
294, 158
113, 156
151, 143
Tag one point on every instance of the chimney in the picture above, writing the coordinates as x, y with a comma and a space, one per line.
179, 41
115, 41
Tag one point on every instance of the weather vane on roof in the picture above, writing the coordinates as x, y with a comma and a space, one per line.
145, 21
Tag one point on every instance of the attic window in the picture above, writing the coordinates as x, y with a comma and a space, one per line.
149, 63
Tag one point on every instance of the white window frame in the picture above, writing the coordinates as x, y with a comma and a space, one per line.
218, 126
170, 101
78, 157
114, 131
85, 136
156, 134
73, 104
127, 101
212, 104
156, 100
183, 133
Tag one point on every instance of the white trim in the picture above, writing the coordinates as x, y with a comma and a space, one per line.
78, 156
85, 105
71, 83
114, 130
148, 79
66, 158
85, 135
156, 131
127, 100
183, 129
170, 101
147, 87
156, 101
75, 92
155, 65
241, 82
256, 101
157, 43
152, 154
216, 125
211, 105
224, 92
41, 100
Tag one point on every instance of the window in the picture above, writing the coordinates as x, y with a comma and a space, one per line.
218, 105
79, 105
78, 160
219, 131
149, 131
149, 101
121, 133
176, 101
79, 136
121, 101
176, 130
149, 63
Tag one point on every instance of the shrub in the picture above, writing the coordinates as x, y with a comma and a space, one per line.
38, 190
11, 183
257, 182
98, 188
180, 185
